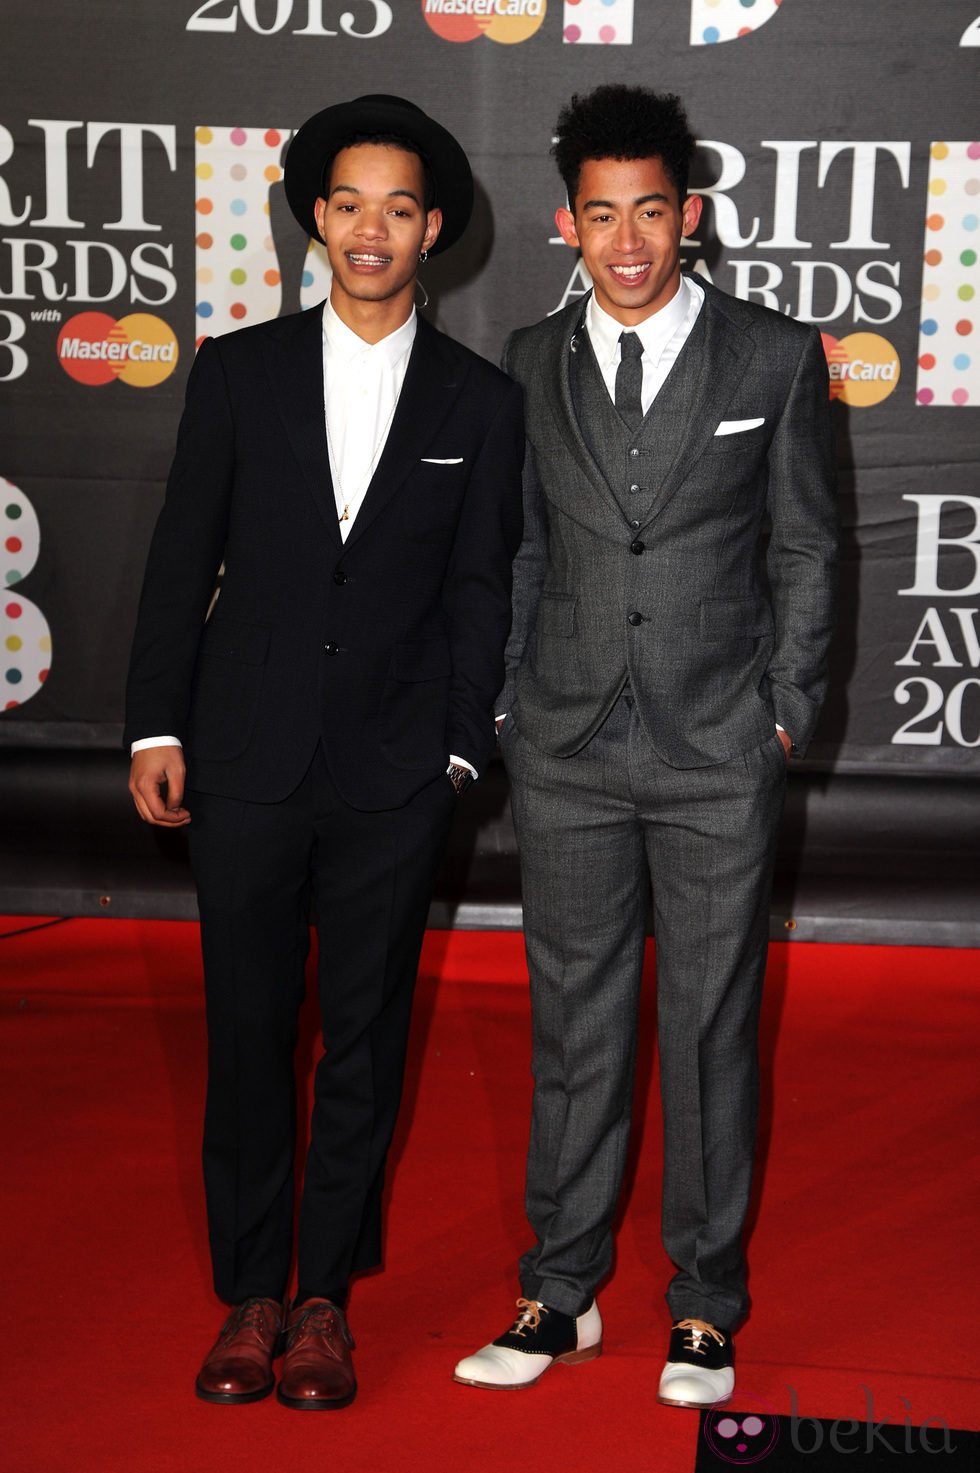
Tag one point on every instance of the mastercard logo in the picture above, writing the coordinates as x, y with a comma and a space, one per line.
864, 368
506, 21
141, 350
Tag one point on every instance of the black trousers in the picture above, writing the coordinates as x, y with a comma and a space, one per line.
262, 871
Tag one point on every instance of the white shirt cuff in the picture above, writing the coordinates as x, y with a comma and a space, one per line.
163, 741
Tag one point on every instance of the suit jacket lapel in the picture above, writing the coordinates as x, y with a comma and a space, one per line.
724, 351
432, 382
571, 338
295, 364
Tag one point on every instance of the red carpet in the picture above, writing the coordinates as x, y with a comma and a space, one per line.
863, 1250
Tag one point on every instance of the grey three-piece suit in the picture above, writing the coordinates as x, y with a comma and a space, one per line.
656, 644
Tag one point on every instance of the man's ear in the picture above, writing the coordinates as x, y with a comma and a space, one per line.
691, 214
565, 221
319, 209
432, 228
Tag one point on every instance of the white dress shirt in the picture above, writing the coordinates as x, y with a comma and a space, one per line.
361, 385
663, 335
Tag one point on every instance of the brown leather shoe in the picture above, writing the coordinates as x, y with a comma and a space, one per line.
238, 1367
317, 1371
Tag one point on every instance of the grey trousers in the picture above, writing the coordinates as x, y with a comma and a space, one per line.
594, 830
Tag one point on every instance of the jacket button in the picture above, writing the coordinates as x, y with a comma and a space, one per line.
635, 618
634, 488
332, 649
634, 452
637, 546
635, 525
340, 577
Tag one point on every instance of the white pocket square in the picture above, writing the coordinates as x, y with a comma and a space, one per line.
736, 426
452, 459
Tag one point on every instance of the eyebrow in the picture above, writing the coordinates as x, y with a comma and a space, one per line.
392, 193
608, 204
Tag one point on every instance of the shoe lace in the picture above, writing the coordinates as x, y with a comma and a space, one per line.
248, 1316
698, 1330
312, 1317
530, 1316
319, 1319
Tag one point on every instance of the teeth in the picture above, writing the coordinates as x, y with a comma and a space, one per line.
368, 260
630, 270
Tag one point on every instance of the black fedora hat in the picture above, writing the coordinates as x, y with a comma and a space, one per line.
323, 135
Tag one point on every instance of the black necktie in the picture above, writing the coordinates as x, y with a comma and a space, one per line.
629, 380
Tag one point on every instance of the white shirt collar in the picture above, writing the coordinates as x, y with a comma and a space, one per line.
654, 332
346, 344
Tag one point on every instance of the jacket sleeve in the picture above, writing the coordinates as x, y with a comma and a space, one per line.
477, 587
531, 561
803, 547
184, 558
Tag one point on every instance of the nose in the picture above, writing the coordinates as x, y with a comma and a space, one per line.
371, 225
627, 238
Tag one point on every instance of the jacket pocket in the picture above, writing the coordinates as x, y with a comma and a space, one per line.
234, 639
556, 614
740, 440
432, 500
735, 618
227, 688
423, 659
415, 704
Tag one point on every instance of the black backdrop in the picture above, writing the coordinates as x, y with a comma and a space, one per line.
141, 208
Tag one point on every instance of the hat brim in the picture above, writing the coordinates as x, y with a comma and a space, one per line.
323, 135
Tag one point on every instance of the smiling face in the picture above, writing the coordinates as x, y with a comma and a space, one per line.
628, 223
374, 225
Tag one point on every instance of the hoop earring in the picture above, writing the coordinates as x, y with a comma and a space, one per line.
423, 256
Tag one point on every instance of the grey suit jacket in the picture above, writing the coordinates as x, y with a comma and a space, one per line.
718, 635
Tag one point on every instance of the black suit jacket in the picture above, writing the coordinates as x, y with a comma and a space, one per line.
389, 647
718, 638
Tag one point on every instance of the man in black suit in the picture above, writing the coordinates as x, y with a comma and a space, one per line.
672, 612
358, 475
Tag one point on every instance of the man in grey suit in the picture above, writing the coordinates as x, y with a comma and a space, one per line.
672, 614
